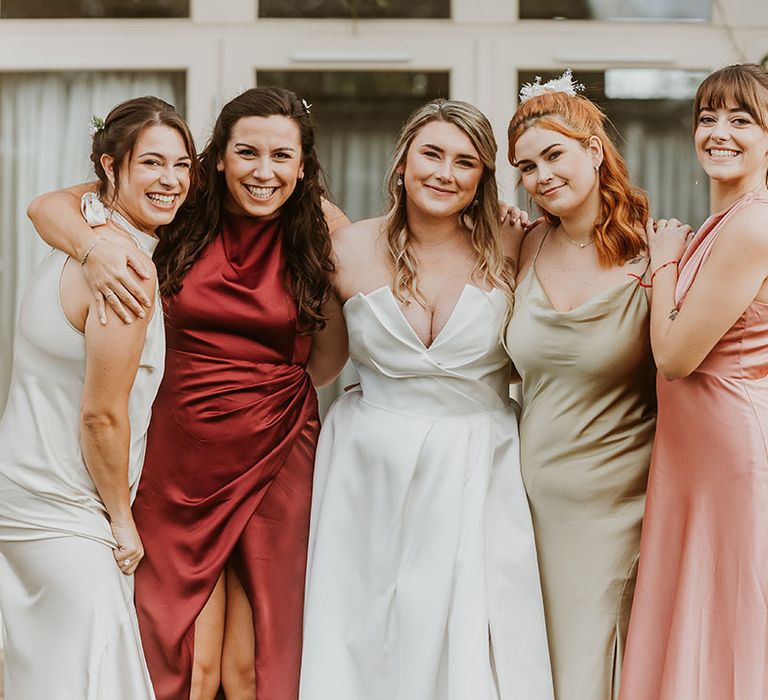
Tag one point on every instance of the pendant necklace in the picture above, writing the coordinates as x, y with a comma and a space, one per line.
576, 243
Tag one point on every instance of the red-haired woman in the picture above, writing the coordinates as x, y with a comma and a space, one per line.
700, 619
579, 339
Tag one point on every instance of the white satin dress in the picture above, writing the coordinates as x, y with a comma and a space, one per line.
69, 624
422, 581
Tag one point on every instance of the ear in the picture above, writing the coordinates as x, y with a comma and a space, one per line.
219, 164
595, 149
107, 162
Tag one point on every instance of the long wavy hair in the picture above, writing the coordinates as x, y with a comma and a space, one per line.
481, 217
117, 138
306, 241
623, 208
744, 84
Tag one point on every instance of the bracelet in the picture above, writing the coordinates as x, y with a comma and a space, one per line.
84, 259
661, 267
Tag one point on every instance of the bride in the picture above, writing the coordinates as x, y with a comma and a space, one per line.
422, 577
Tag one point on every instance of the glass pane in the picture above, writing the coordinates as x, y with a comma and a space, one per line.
44, 145
58, 9
356, 9
615, 9
651, 116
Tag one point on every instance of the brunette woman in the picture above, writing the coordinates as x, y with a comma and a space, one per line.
700, 616
73, 434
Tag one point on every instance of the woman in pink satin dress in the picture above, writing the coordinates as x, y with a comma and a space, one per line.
699, 626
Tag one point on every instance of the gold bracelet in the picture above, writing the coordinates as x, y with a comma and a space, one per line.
84, 259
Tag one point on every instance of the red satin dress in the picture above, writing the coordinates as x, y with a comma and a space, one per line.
228, 471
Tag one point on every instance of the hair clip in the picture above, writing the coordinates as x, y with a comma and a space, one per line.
95, 125
307, 106
564, 83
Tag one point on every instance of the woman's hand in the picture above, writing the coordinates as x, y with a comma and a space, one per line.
113, 270
130, 550
667, 240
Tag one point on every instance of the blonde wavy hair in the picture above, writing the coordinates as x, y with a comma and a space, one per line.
480, 218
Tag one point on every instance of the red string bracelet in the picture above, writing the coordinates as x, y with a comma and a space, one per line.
661, 267
639, 279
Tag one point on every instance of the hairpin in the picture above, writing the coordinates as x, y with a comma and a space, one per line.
95, 125
307, 105
564, 83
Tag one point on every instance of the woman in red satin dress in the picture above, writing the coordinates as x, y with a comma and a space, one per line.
223, 506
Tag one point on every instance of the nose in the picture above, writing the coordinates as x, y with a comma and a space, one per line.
262, 170
168, 177
544, 173
445, 171
720, 131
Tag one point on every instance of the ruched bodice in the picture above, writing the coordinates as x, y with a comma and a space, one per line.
421, 547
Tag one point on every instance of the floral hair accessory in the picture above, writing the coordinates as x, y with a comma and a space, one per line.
95, 125
307, 106
564, 83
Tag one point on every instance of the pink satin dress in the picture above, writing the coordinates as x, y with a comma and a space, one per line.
699, 625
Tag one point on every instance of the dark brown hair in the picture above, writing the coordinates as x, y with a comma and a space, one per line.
306, 241
121, 130
623, 208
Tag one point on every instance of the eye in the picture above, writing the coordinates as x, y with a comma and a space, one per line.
466, 163
552, 155
246, 153
151, 162
526, 167
741, 121
282, 155
431, 154
184, 165
706, 119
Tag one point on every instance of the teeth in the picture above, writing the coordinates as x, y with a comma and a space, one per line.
261, 192
722, 152
165, 199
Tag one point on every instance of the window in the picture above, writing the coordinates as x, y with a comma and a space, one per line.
616, 9
61, 9
355, 9
651, 114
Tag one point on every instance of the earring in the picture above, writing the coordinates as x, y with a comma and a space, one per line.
399, 182
696, 181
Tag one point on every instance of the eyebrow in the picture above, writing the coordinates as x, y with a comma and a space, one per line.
254, 148
707, 108
542, 153
160, 155
442, 150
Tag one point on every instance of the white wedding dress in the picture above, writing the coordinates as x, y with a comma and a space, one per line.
422, 582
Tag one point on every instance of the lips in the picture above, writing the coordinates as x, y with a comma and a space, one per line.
262, 193
439, 190
551, 190
723, 152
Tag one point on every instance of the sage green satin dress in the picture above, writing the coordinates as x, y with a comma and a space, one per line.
586, 432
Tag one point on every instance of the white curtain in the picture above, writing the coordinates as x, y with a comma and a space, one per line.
44, 145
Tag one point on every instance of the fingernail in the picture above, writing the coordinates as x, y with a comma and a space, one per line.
141, 314
148, 304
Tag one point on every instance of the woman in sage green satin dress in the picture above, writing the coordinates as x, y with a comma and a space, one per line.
579, 338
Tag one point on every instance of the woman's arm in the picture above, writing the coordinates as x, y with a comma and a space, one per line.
329, 346
726, 285
112, 359
113, 269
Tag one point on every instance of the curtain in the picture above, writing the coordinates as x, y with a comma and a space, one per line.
44, 145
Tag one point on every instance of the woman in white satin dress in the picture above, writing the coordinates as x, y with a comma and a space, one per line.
73, 432
422, 581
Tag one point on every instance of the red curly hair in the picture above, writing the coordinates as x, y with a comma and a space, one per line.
623, 208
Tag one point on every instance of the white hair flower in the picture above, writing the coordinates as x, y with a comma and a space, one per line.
564, 83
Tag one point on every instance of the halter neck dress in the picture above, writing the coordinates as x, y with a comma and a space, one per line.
70, 628
422, 581
700, 620
586, 430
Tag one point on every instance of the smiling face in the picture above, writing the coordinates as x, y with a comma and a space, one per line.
731, 145
154, 178
261, 164
442, 170
557, 171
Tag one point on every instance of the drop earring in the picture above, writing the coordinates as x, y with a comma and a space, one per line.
399, 182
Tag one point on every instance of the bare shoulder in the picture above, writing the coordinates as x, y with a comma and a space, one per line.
531, 244
747, 230
358, 238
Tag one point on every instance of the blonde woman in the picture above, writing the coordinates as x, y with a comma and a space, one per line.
422, 577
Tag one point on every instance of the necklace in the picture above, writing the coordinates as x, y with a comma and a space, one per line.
576, 243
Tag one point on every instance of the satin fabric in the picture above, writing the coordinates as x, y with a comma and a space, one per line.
699, 626
228, 472
422, 579
586, 434
69, 624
